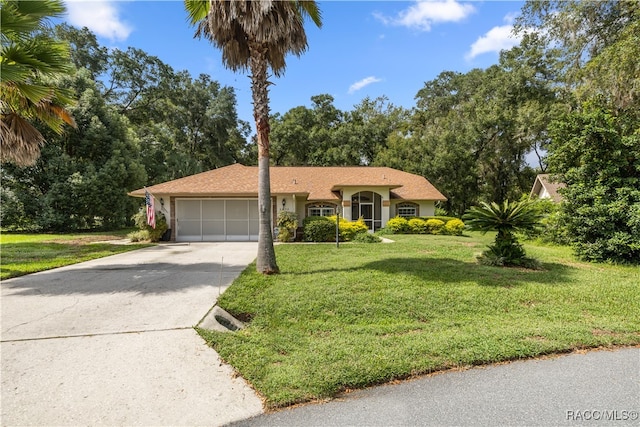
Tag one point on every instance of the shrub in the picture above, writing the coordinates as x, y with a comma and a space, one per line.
349, 230
507, 219
287, 223
384, 231
139, 236
454, 226
398, 225
154, 234
309, 219
319, 230
441, 211
434, 226
597, 148
508, 252
417, 226
323, 229
366, 238
554, 229
442, 218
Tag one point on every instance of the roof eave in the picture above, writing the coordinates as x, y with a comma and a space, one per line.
337, 187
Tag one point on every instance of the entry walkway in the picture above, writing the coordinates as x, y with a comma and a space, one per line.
111, 341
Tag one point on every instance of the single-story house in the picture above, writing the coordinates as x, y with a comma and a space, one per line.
222, 204
544, 188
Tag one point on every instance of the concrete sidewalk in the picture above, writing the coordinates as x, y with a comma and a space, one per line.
110, 341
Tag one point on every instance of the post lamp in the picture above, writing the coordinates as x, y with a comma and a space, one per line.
337, 226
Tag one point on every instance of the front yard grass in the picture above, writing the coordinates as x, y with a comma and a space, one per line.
366, 314
22, 254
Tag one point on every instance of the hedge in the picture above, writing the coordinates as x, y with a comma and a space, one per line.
323, 229
425, 225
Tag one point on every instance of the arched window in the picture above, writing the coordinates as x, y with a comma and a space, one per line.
407, 209
321, 209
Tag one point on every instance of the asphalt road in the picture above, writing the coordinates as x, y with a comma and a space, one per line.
597, 388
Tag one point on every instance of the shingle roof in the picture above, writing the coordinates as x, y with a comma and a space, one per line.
318, 183
544, 181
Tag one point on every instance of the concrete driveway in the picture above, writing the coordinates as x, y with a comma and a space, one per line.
111, 341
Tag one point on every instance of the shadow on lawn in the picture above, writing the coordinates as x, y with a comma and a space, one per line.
448, 270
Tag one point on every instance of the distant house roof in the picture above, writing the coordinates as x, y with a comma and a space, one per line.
544, 188
317, 183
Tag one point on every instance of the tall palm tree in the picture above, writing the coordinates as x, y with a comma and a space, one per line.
30, 61
256, 35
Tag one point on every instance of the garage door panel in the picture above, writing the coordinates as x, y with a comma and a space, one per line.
217, 220
189, 210
237, 228
254, 216
213, 209
253, 210
237, 210
189, 228
213, 227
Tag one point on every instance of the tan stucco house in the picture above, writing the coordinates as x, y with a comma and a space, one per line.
222, 204
544, 188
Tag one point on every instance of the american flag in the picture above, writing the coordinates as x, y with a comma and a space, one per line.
151, 209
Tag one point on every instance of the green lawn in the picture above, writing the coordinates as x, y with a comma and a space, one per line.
365, 314
22, 254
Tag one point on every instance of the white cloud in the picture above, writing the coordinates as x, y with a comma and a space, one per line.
495, 40
100, 16
362, 83
511, 17
424, 13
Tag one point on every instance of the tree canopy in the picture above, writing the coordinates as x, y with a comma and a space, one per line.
31, 62
595, 145
130, 132
565, 101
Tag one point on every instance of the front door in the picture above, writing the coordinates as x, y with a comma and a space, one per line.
366, 212
368, 205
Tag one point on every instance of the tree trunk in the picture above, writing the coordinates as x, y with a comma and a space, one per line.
266, 261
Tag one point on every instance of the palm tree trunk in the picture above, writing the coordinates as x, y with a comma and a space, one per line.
266, 261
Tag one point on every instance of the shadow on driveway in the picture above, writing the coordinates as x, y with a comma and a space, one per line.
157, 270
161, 287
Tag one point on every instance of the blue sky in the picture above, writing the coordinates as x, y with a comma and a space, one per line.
364, 48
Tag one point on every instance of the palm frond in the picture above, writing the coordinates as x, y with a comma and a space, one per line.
20, 141
508, 216
310, 9
20, 19
197, 10
30, 62
277, 26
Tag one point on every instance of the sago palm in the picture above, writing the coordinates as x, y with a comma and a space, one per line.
30, 61
256, 35
507, 218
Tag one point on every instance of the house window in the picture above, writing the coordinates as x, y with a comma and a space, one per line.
321, 210
407, 210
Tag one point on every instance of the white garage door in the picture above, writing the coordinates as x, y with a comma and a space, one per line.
216, 220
